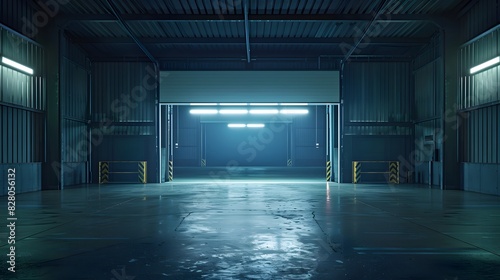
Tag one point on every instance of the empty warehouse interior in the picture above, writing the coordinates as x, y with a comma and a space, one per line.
250, 139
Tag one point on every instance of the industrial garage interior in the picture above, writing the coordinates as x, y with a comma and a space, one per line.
250, 139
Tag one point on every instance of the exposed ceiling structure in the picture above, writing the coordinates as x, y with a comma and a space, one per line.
249, 30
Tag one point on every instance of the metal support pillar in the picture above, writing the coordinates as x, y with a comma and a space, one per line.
449, 119
52, 168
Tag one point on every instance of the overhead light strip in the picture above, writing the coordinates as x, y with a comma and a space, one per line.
264, 111
16, 65
485, 65
203, 111
250, 125
236, 125
294, 111
233, 112
256, 125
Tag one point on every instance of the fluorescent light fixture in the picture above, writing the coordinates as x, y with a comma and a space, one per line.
236, 125
203, 111
233, 104
485, 65
294, 111
16, 65
203, 104
263, 104
256, 125
233, 112
264, 111
294, 104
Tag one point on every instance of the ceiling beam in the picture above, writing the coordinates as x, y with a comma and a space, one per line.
125, 26
70, 18
340, 40
365, 33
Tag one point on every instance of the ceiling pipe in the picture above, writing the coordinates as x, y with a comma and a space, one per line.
127, 29
247, 31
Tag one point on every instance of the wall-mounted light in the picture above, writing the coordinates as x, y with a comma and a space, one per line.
233, 112
236, 125
256, 125
264, 111
17, 66
485, 65
294, 111
203, 111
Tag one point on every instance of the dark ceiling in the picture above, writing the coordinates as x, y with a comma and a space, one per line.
254, 29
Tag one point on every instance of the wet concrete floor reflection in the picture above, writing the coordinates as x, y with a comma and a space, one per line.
255, 230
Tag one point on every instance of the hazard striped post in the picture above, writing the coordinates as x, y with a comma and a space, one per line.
394, 172
328, 171
103, 172
356, 174
170, 170
143, 172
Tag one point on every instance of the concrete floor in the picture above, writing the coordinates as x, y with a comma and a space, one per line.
262, 229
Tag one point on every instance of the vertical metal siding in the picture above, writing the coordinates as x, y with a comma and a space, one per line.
482, 87
22, 101
480, 134
428, 77
21, 135
482, 16
479, 95
74, 103
74, 91
15, 14
377, 92
115, 82
19, 88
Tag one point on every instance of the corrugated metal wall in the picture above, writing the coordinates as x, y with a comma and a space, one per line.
429, 90
75, 68
482, 16
480, 135
377, 113
18, 15
123, 114
22, 110
482, 87
479, 100
118, 91
377, 92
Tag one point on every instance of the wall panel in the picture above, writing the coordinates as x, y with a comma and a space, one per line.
249, 86
377, 92
480, 88
75, 146
480, 133
123, 92
482, 16
123, 114
378, 113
